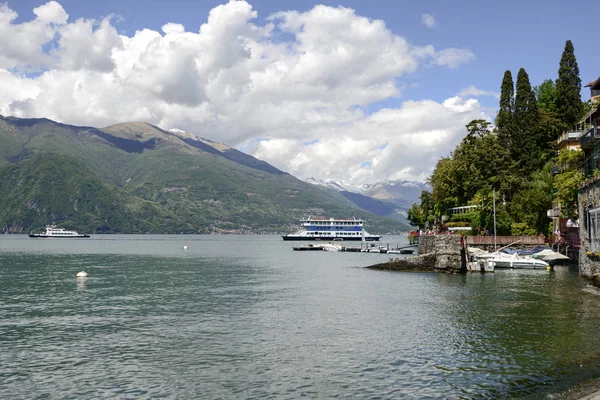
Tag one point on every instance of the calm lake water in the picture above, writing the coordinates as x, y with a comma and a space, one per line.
245, 317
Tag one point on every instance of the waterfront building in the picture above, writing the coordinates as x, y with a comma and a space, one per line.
589, 194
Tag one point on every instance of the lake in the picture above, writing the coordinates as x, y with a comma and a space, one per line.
245, 317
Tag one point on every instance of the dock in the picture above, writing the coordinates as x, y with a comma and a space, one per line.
368, 248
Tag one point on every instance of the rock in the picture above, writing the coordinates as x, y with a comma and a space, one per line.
596, 279
424, 262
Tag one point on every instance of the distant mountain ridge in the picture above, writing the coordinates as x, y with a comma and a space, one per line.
137, 178
389, 198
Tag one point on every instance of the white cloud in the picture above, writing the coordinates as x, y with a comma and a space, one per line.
22, 45
401, 143
453, 58
428, 20
476, 92
302, 77
82, 47
51, 12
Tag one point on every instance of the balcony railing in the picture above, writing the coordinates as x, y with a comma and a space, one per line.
553, 212
569, 135
589, 137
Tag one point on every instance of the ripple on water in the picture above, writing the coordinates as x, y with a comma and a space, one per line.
275, 324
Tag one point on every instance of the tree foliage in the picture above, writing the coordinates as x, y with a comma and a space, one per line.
527, 120
422, 215
568, 88
545, 94
568, 181
517, 163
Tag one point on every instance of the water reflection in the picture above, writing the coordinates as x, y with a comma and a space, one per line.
81, 283
523, 330
262, 321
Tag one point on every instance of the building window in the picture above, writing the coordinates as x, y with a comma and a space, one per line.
593, 228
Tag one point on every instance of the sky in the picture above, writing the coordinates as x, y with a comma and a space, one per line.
359, 91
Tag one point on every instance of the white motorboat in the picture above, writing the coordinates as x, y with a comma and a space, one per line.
515, 261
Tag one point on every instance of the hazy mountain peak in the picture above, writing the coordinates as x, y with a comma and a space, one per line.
339, 185
134, 130
187, 135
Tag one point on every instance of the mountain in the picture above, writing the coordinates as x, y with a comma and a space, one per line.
389, 198
401, 192
340, 186
136, 178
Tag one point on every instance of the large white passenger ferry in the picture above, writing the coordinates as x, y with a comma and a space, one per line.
53, 232
331, 229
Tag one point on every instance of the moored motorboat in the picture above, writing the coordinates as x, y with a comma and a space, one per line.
53, 232
308, 247
514, 261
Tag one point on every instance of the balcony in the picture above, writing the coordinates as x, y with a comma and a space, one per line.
589, 138
569, 136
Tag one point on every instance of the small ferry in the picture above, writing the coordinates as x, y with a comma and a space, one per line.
332, 229
53, 232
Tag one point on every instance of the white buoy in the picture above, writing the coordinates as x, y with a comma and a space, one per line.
185, 247
82, 274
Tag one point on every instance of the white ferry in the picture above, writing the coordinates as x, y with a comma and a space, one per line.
53, 232
331, 229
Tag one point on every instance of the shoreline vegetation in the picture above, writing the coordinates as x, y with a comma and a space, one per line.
507, 175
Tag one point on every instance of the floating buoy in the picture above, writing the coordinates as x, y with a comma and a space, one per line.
185, 247
82, 274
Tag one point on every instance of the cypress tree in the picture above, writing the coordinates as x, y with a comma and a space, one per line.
527, 122
568, 88
505, 113
506, 131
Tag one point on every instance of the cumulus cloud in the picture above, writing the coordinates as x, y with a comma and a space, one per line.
22, 45
453, 58
476, 92
399, 143
300, 83
86, 44
428, 20
51, 12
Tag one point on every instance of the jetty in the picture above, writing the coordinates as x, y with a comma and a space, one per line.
456, 253
369, 247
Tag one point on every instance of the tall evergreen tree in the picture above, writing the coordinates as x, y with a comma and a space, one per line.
568, 88
506, 133
505, 113
527, 122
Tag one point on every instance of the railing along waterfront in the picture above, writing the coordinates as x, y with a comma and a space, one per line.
505, 240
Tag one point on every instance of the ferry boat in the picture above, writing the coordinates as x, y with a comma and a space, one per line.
332, 229
53, 232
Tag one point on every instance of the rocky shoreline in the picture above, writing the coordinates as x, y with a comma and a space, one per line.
425, 262
440, 253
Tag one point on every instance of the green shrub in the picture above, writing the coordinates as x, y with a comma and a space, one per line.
521, 229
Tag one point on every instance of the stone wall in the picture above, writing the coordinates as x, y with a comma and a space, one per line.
588, 199
447, 250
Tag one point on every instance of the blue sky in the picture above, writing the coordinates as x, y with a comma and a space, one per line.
503, 35
357, 130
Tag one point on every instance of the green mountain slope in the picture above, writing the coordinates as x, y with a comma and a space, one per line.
135, 177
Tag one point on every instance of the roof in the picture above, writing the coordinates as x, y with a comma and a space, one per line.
594, 84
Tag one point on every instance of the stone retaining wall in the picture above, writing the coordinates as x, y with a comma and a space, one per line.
447, 250
588, 199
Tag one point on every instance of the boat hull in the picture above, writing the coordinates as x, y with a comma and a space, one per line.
41, 235
510, 264
345, 239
